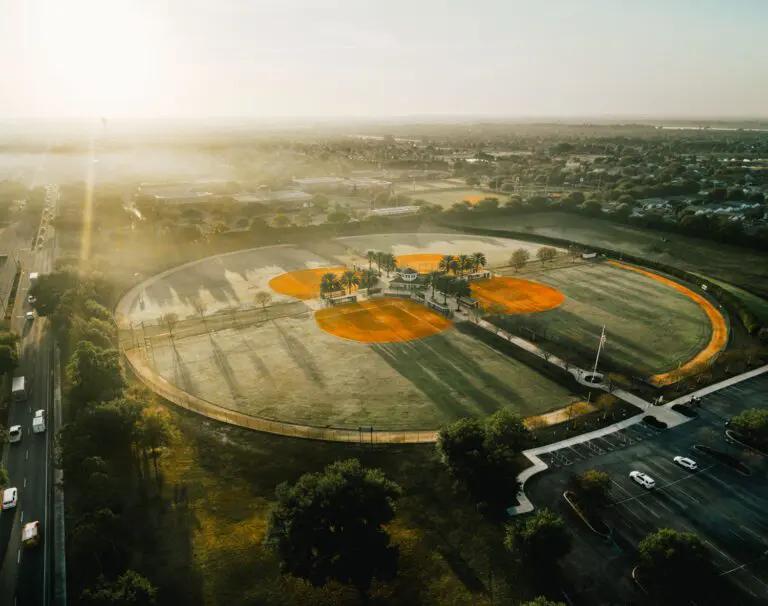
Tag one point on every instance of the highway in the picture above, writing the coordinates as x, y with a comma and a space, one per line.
26, 573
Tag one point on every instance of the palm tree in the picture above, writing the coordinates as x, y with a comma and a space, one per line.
479, 260
369, 279
460, 288
463, 263
379, 258
389, 262
350, 279
447, 263
432, 280
445, 286
328, 283
371, 256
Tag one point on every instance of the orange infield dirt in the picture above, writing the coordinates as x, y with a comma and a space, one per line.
384, 320
303, 284
422, 262
719, 329
517, 296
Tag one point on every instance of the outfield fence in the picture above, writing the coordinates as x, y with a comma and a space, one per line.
137, 360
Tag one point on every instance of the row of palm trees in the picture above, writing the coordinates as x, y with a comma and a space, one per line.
346, 281
459, 265
448, 286
384, 261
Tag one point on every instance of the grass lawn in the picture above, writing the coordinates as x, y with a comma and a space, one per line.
448, 551
291, 370
740, 266
449, 197
755, 304
650, 327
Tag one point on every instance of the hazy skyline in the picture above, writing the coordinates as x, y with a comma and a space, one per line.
336, 58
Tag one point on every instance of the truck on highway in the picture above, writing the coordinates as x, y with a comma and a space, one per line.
33, 277
19, 389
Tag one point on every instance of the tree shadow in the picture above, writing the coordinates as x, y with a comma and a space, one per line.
300, 354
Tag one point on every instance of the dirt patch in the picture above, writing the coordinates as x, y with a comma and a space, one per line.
719, 330
384, 320
303, 284
517, 296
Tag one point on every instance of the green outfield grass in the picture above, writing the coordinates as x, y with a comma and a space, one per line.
650, 327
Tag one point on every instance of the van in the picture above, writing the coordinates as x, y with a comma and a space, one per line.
38, 422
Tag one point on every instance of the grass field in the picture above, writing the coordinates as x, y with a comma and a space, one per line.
447, 550
449, 197
650, 327
739, 266
291, 370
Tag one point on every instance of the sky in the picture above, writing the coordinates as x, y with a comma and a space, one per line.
191, 59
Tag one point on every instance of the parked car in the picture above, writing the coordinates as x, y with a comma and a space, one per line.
14, 434
644, 480
10, 498
686, 462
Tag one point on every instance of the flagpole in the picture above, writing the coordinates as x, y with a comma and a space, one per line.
599, 349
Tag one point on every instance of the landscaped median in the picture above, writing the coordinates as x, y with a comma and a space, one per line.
595, 524
725, 458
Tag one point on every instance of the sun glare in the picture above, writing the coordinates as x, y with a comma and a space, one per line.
100, 57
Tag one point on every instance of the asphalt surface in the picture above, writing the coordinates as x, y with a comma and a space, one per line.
726, 509
25, 573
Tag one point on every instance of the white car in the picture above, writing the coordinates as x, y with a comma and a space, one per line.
686, 462
31, 299
30, 315
644, 480
10, 498
30, 534
14, 434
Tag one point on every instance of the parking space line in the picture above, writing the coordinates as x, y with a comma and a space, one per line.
758, 536
720, 551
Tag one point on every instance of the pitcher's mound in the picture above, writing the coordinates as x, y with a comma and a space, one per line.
384, 320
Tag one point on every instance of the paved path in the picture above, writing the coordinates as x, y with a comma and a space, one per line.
662, 413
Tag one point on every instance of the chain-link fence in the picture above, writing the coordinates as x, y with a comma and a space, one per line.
139, 364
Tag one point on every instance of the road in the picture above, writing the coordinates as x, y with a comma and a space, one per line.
25, 576
723, 507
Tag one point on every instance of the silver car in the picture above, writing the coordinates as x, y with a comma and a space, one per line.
689, 464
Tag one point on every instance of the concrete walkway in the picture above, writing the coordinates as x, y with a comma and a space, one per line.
662, 413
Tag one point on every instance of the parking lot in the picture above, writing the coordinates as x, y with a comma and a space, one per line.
725, 508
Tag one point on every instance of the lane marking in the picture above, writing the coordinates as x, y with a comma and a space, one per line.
760, 537
26, 456
18, 556
25, 482
22, 517
721, 552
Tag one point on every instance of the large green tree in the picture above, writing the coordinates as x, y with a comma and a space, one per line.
540, 540
331, 526
130, 589
9, 359
542, 601
519, 258
94, 374
752, 426
674, 562
593, 488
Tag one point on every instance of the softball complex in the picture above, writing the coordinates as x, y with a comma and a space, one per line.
327, 341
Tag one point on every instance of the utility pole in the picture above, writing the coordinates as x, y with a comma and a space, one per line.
599, 349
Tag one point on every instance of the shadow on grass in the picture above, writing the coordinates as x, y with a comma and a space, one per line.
300, 354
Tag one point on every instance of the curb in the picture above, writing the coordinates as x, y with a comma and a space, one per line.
584, 519
730, 435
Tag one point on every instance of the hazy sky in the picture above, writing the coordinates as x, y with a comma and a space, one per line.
335, 58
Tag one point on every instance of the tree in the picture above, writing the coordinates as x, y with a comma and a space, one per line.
478, 261
3, 471
445, 286
463, 263
9, 359
170, 320
432, 280
349, 279
505, 437
752, 426
371, 257
447, 263
94, 374
281, 221
262, 298
605, 403
519, 258
593, 488
155, 431
329, 283
460, 288
331, 526
461, 447
369, 279
389, 261
200, 307
546, 253
338, 216
487, 205
592, 207
675, 562
540, 540
542, 601
130, 589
